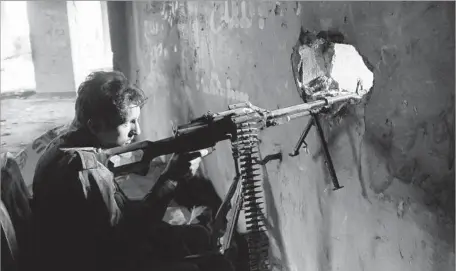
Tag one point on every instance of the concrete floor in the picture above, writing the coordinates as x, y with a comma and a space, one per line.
25, 119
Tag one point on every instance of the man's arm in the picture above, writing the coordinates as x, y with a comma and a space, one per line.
180, 167
157, 200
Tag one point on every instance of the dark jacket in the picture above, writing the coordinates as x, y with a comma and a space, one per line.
82, 220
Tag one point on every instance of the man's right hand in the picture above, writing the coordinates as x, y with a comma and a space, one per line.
184, 166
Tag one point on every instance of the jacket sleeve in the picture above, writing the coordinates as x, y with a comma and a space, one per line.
152, 207
147, 213
157, 200
71, 228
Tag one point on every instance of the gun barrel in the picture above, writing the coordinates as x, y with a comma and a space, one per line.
301, 110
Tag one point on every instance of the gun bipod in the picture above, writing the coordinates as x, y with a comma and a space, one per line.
314, 120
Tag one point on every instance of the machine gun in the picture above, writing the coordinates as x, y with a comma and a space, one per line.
241, 125
238, 124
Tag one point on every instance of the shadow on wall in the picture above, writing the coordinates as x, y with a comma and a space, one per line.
273, 214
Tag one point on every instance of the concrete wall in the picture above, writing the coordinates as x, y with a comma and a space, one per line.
51, 46
395, 155
90, 42
17, 72
62, 45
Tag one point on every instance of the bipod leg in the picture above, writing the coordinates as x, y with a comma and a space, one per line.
302, 138
226, 204
328, 159
219, 223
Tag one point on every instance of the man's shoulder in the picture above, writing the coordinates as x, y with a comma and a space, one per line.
53, 157
52, 171
64, 167
75, 158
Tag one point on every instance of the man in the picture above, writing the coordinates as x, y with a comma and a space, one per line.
82, 220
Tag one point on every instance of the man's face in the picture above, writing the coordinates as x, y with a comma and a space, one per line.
124, 133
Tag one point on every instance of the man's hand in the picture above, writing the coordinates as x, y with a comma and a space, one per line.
184, 166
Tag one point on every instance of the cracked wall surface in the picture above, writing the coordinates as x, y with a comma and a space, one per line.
50, 46
394, 154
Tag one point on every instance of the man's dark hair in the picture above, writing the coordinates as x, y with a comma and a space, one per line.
105, 96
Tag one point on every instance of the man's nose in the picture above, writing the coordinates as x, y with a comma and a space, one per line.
137, 129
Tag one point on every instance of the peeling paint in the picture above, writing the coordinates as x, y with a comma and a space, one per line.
215, 88
298, 9
237, 15
261, 22
245, 21
151, 28
156, 50
229, 19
